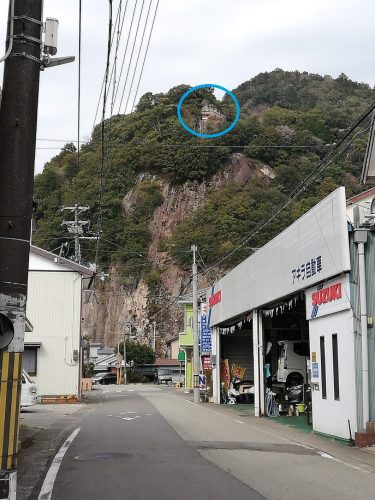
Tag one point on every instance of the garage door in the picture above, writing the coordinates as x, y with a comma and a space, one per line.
238, 348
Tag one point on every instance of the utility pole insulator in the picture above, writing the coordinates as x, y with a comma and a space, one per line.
76, 227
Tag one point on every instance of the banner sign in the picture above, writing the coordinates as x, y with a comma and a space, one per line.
206, 341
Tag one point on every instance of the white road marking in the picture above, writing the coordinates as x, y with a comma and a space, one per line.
49, 480
191, 402
273, 434
239, 421
330, 457
130, 418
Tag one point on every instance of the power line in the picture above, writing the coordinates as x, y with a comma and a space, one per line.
79, 81
193, 146
131, 56
114, 66
139, 53
103, 151
145, 56
104, 77
126, 47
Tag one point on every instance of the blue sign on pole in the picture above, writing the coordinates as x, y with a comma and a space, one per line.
206, 341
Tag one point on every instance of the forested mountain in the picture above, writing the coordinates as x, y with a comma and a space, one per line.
165, 189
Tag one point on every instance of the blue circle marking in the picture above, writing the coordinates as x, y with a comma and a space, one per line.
218, 134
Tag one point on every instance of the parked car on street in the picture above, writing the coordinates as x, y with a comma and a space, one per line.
163, 376
108, 378
95, 379
29, 395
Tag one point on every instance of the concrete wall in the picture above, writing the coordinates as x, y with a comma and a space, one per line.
53, 308
331, 416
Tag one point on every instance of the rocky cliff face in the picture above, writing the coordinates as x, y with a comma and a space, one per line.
109, 306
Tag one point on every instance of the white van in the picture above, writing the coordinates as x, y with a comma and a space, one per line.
292, 359
28, 391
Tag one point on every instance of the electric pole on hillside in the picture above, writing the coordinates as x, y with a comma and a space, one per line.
196, 360
25, 56
75, 227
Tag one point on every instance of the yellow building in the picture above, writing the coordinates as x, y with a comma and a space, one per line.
186, 341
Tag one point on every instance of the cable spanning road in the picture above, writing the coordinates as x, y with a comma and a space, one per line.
143, 442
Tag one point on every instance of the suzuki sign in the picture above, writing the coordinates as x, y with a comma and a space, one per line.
328, 298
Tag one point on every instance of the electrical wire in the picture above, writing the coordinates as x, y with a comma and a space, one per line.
104, 77
114, 66
138, 56
126, 47
203, 265
145, 56
79, 81
131, 56
103, 150
187, 146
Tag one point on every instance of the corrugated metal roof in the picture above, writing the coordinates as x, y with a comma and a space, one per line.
61, 260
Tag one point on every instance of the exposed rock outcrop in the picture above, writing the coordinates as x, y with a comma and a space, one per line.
111, 305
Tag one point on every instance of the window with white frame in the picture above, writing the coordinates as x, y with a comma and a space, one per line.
29, 360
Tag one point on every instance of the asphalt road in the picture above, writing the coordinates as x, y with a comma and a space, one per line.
127, 450
149, 443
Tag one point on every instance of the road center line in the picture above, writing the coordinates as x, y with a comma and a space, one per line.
49, 480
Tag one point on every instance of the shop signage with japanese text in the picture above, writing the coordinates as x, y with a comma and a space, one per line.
206, 340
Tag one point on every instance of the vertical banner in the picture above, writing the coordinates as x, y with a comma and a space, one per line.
10, 389
205, 334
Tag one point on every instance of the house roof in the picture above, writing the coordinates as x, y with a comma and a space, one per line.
105, 351
61, 260
361, 196
166, 362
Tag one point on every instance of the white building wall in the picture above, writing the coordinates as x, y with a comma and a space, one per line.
53, 308
331, 416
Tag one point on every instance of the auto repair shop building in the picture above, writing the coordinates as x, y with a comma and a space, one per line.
304, 285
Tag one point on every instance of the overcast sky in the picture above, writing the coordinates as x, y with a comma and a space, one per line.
199, 41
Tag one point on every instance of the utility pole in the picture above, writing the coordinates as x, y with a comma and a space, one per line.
75, 227
142, 329
196, 361
125, 374
154, 339
18, 122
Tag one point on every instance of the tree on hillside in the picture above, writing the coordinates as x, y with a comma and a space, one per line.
137, 354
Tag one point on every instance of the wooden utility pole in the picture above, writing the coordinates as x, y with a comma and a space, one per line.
196, 357
18, 123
